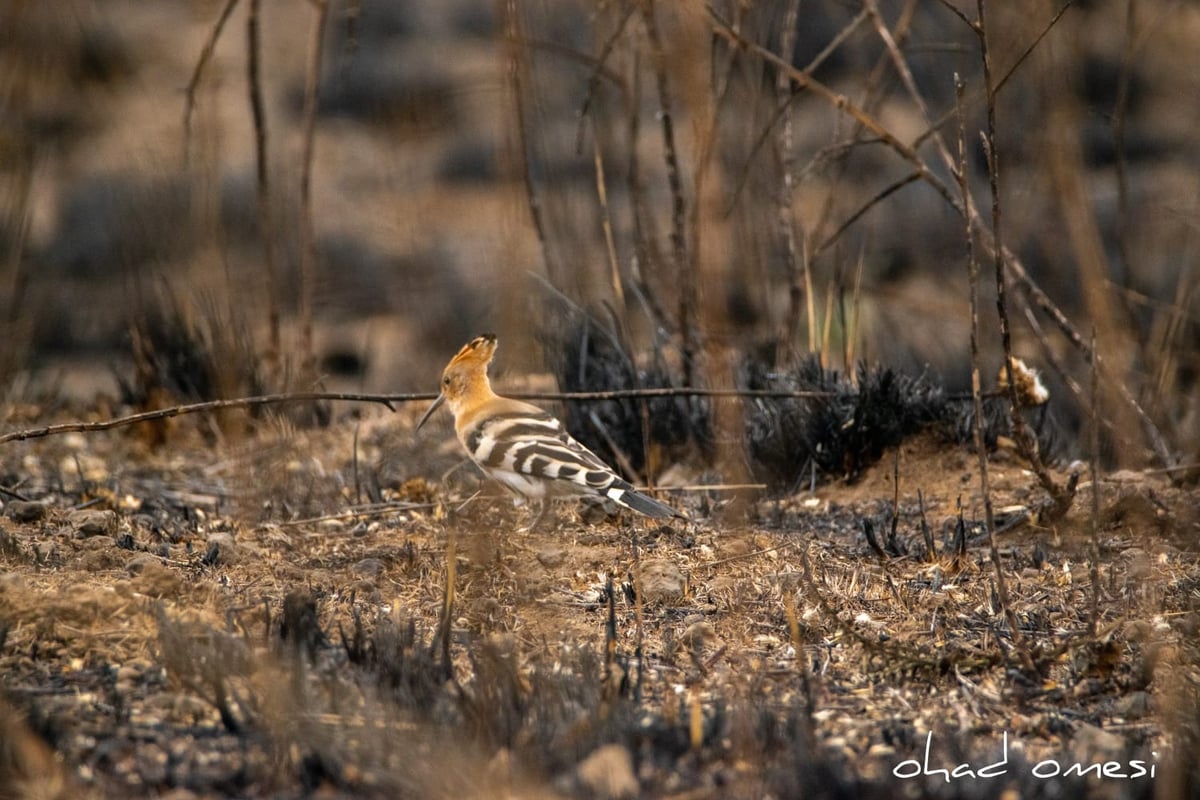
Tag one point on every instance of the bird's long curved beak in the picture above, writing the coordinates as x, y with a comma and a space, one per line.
441, 398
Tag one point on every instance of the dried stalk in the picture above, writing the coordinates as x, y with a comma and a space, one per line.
312, 79
388, 400
1119, 114
645, 295
266, 226
684, 272
610, 245
518, 71
210, 44
787, 185
977, 400
1026, 442
597, 71
18, 278
963, 206
1094, 442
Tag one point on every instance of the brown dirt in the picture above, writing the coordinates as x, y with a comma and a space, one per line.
154, 659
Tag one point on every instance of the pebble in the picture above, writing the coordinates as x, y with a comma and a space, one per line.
1095, 744
138, 563
222, 550
368, 567
1133, 706
698, 634
661, 580
26, 510
551, 557
608, 772
87, 522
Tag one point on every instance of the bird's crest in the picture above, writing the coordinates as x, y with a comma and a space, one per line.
476, 353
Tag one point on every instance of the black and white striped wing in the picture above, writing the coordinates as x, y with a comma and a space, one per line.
537, 447
534, 454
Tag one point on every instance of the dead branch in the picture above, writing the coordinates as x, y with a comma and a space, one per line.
787, 185
1093, 468
598, 70
210, 44
964, 207
312, 79
518, 73
1026, 443
684, 269
388, 400
266, 227
977, 399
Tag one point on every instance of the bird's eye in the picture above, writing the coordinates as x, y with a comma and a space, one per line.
445, 381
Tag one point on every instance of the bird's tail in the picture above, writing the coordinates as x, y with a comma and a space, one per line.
624, 494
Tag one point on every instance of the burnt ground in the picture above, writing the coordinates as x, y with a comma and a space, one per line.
257, 615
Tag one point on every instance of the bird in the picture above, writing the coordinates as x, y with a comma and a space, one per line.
523, 447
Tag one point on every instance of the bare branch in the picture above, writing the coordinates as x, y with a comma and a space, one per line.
684, 269
977, 400
210, 44
266, 227
388, 400
312, 79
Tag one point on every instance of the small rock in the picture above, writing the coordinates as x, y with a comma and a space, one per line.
551, 557
12, 580
735, 548
45, 552
222, 550
137, 565
499, 770
26, 510
1092, 744
158, 581
697, 634
87, 522
128, 677
661, 580
368, 567
1133, 706
594, 510
608, 772
96, 543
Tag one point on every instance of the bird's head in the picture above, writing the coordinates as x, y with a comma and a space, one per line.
465, 377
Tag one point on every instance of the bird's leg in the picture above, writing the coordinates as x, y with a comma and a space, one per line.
544, 506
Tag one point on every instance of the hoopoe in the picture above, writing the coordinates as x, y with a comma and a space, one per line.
522, 446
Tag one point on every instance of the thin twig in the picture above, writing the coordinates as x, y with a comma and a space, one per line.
598, 70
388, 400
266, 227
312, 80
610, 245
977, 400
1094, 437
210, 44
1026, 442
517, 74
783, 107
976, 96
787, 185
879, 197
961, 205
684, 271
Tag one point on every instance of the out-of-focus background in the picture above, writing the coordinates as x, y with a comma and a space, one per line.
508, 166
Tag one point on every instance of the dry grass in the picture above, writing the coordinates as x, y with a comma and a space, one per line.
305, 654
265, 611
